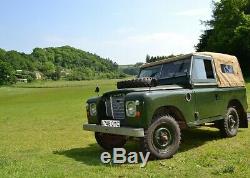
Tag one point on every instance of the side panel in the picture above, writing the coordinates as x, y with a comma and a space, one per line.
176, 98
224, 96
216, 109
206, 102
229, 94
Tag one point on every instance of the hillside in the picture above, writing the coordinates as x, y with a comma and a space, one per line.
132, 69
56, 62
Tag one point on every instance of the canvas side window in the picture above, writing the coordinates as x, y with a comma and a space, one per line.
203, 70
227, 68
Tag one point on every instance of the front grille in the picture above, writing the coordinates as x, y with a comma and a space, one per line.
115, 107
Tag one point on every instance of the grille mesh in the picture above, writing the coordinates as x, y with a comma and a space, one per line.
115, 107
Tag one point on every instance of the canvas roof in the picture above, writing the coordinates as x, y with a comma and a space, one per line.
223, 79
226, 79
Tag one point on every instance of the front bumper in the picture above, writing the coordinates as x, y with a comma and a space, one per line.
128, 131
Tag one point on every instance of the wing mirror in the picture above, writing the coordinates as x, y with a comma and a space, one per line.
97, 90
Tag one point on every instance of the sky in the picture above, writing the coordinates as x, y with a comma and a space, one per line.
123, 30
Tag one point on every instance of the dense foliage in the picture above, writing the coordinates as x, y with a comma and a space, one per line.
54, 63
131, 69
6, 73
229, 31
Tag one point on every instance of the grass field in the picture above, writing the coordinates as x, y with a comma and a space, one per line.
41, 136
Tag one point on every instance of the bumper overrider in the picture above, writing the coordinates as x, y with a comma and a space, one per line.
128, 131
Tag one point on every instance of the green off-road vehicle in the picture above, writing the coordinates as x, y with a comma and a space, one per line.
167, 96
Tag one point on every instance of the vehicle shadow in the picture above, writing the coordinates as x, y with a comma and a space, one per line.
88, 155
191, 138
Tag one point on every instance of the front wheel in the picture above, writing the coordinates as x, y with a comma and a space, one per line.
110, 141
162, 138
229, 126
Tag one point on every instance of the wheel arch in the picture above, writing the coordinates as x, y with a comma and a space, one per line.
172, 111
242, 114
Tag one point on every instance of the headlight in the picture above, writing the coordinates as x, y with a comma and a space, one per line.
92, 109
131, 108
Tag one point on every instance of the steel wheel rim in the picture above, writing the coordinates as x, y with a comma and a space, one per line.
232, 122
162, 138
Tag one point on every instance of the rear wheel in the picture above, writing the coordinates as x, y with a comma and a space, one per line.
229, 126
110, 141
162, 138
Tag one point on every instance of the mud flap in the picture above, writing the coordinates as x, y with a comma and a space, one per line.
244, 121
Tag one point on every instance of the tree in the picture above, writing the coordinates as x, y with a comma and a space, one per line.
229, 31
132, 70
57, 74
138, 64
39, 54
2, 53
6, 73
48, 68
147, 58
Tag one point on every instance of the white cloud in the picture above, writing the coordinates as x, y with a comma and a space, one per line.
194, 12
134, 48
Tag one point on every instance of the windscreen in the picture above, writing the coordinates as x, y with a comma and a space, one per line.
153, 71
176, 69
167, 70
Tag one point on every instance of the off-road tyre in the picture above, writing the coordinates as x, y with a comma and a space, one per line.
162, 138
230, 124
110, 141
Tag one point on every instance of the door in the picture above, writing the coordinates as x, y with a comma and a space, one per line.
204, 87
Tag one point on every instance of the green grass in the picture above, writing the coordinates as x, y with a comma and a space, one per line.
41, 136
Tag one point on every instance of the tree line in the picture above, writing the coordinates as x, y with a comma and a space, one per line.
55, 63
